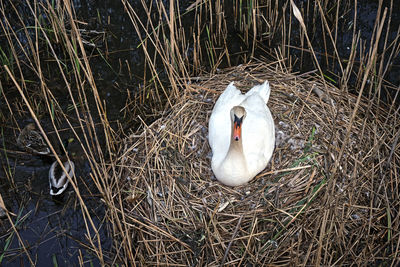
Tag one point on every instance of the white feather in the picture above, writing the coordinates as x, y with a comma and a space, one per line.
60, 183
258, 134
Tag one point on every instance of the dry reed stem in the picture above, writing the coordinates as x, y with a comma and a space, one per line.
299, 210
81, 77
295, 212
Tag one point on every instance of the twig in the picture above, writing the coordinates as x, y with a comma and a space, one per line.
232, 239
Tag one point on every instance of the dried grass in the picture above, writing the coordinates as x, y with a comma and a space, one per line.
296, 211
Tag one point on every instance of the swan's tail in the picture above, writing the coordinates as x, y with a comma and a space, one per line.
262, 89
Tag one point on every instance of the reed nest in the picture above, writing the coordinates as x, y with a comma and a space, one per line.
311, 205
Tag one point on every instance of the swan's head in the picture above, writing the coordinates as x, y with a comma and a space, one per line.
238, 114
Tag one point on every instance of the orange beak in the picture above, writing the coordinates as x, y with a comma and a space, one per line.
237, 129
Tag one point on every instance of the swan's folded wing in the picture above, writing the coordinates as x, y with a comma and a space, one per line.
270, 137
219, 126
230, 97
263, 90
258, 132
219, 133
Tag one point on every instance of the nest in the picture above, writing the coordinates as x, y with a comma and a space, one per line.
328, 196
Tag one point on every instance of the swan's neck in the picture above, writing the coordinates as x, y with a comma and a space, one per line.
235, 153
236, 147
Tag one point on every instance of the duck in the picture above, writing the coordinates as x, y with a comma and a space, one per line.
241, 134
32, 141
58, 180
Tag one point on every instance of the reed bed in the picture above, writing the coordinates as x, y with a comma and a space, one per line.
309, 206
330, 194
46, 57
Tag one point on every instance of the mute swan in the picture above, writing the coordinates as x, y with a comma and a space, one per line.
241, 134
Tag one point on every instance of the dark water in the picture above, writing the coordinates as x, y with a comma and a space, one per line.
54, 230
365, 20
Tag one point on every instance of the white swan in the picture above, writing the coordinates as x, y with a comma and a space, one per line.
241, 134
